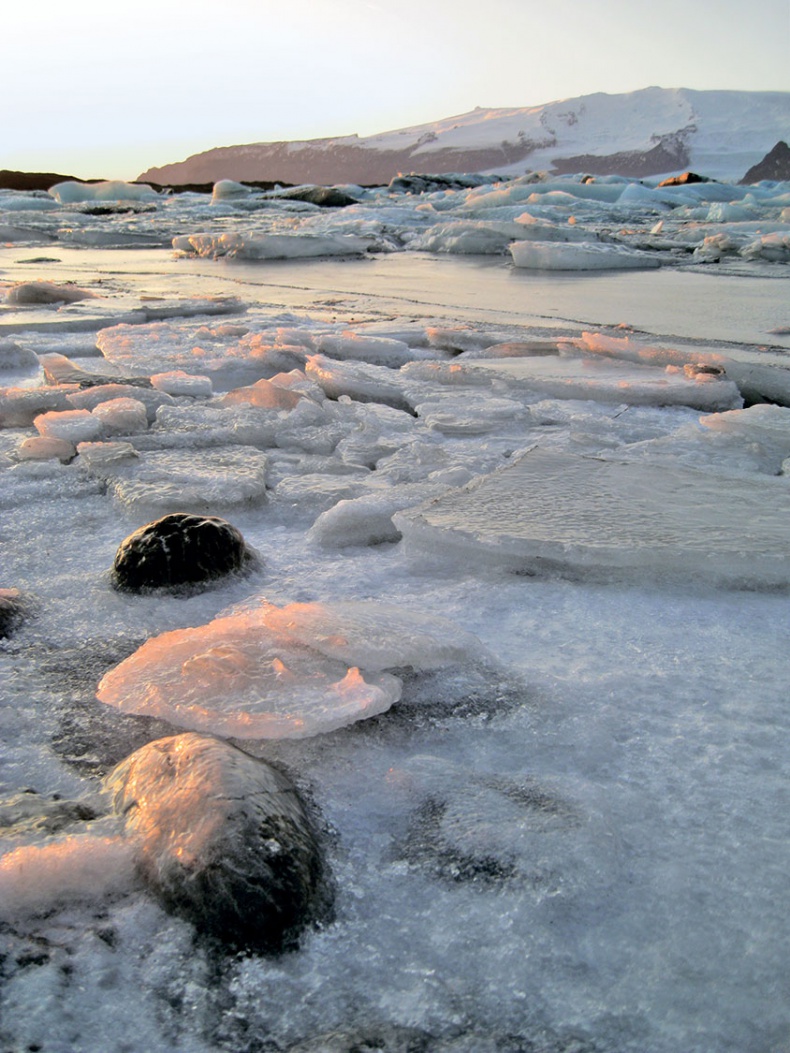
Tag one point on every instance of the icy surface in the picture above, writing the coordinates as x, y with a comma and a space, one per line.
546, 512
578, 514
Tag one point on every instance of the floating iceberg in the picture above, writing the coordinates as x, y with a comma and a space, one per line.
71, 192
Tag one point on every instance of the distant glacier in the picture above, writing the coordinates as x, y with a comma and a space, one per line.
653, 131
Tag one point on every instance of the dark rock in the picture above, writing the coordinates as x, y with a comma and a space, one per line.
13, 180
668, 154
325, 196
180, 552
13, 610
61, 370
775, 166
684, 179
422, 184
223, 839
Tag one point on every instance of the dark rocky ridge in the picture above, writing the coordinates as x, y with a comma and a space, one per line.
13, 180
775, 165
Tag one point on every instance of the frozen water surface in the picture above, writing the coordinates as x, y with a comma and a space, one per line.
520, 623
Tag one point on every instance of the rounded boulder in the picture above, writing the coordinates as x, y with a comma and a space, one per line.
223, 839
180, 552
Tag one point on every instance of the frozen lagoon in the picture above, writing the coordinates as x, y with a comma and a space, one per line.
582, 849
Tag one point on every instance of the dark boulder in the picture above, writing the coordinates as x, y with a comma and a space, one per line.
775, 166
223, 839
415, 183
13, 609
324, 196
684, 179
181, 552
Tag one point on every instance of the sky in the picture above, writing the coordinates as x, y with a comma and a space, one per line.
107, 90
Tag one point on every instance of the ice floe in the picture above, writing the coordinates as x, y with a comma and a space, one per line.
290, 672
557, 512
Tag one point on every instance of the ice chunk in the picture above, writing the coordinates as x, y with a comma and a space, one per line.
90, 398
228, 355
229, 190
319, 491
467, 237
235, 677
19, 406
380, 431
13, 356
45, 448
263, 394
368, 520
378, 350
358, 380
581, 256
375, 636
177, 382
606, 380
260, 246
459, 415
122, 416
555, 511
101, 459
211, 424
73, 425
192, 481
767, 425
83, 868
71, 192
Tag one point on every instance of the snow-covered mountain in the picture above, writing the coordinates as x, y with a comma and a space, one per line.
649, 132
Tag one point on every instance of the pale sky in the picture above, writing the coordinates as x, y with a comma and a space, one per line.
93, 88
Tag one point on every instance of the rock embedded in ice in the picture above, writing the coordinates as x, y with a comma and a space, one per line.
179, 551
13, 609
223, 839
237, 678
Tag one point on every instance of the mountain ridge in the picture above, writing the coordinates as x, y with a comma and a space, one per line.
652, 131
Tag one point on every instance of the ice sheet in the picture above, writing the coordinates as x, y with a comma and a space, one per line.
553, 511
